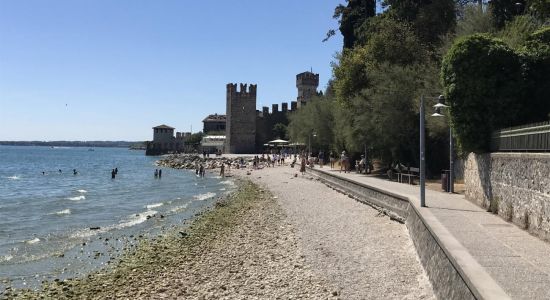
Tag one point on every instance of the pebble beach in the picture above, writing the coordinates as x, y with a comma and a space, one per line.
278, 236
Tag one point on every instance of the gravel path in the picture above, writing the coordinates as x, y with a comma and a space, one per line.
364, 254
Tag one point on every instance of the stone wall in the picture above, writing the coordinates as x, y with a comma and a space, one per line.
514, 185
241, 119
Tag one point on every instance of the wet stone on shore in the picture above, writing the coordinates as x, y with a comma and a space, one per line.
243, 248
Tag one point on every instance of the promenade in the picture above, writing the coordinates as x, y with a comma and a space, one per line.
494, 257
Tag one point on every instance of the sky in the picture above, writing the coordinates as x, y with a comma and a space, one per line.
113, 69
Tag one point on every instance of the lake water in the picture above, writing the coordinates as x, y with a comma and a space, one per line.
46, 218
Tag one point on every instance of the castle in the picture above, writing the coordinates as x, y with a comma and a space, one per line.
248, 129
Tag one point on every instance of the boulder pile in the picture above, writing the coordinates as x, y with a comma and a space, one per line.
191, 161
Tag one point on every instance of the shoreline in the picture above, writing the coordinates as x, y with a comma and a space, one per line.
162, 266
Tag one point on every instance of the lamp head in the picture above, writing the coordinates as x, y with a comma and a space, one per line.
437, 112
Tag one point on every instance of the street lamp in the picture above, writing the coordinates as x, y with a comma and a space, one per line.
441, 105
423, 150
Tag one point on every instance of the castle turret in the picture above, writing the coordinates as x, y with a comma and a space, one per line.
241, 119
307, 83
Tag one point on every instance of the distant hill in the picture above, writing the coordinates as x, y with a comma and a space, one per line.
89, 144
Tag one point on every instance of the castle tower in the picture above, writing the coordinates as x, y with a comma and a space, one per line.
307, 83
240, 119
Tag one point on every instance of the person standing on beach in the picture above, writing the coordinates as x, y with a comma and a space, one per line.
201, 170
303, 165
222, 170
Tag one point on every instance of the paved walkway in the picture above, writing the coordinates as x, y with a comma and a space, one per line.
495, 253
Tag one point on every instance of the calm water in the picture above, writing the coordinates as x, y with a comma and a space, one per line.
45, 219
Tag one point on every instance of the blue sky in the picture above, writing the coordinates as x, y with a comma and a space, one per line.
111, 70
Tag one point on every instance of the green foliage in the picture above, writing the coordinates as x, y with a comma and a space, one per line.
316, 117
474, 20
194, 139
386, 41
430, 19
390, 41
350, 74
517, 31
503, 11
483, 82
540, 9
536, 62
351, 17
280, 130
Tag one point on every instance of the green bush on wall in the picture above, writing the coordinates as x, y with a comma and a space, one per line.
483, 81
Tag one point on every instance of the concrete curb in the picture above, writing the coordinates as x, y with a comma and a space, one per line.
453, 272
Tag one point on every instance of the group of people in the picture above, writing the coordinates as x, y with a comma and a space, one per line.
114, 172
270, 160
158, 173
199, 169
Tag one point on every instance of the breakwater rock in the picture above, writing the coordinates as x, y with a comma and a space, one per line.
191, 161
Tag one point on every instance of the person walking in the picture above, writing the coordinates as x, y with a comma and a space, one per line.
222, 170
303, 165
344, 162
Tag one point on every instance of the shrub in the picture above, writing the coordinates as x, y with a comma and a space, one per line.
482, 79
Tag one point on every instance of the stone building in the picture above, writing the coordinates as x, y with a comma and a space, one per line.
240, 119
307, 83
164, 141
214, 123
213, 144
266, 120
248, 129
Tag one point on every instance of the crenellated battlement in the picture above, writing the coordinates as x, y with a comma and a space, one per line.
265, 112
307, 78
244, 89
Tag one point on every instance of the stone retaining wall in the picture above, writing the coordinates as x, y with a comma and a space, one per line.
516, 186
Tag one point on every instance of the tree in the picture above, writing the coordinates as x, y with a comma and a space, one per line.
504, 11
535, 56
194, 139
387, 41
431, 19
317, 116
352, 16
482, 78
280, 130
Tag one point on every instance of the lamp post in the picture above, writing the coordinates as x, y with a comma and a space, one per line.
441, 104
423, 148
422, 156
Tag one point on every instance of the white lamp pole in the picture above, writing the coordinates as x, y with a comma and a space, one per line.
422, 156
441, 104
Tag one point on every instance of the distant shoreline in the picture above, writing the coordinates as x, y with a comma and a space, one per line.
89, 144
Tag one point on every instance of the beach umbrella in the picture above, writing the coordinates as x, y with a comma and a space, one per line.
278, 142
